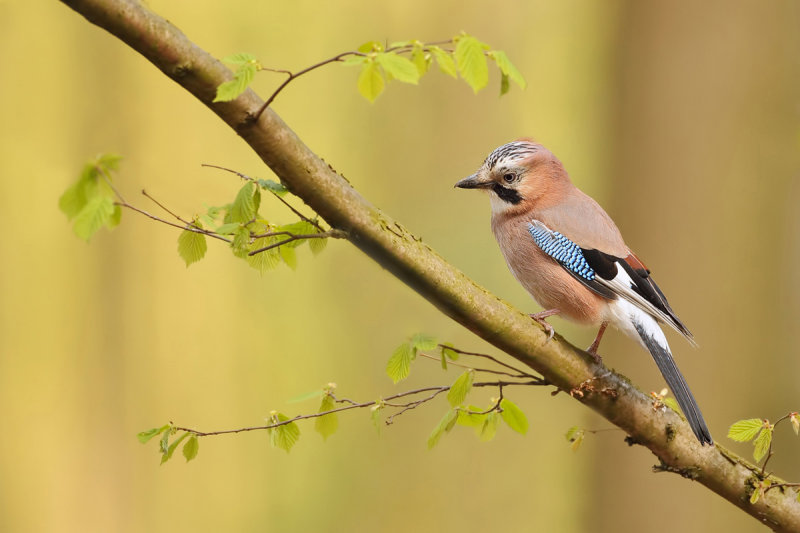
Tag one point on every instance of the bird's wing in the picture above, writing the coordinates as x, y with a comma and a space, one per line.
608, 275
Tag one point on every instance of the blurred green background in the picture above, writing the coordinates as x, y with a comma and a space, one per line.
681, 119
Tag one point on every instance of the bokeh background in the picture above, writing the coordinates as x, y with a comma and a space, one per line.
681, 118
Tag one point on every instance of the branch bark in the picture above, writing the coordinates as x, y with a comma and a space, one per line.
664, 433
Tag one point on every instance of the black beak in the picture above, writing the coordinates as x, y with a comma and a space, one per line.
472, 182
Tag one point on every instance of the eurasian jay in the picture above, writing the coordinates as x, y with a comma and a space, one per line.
568, 253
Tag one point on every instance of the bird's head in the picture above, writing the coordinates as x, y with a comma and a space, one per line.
516, 175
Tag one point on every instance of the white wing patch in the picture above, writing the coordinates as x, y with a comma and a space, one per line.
622, 284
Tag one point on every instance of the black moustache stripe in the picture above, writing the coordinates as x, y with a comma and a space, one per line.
507, 195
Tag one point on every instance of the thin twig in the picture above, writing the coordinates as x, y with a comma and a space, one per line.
355, 405
337, 58
487, 370
295, 75
107, 177
769, 450
415, 404
189, 227
776, 485
287, 204
162, 206
489, 357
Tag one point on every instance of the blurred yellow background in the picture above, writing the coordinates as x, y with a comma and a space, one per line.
681, 119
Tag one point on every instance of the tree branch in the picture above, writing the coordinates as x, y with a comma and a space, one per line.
397, 250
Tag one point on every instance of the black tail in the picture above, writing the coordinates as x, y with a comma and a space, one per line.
677, 385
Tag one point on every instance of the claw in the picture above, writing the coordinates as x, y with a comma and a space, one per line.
540, 318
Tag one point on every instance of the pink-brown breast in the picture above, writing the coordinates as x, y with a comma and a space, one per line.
547, 281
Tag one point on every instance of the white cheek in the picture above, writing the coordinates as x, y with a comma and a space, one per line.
498, 205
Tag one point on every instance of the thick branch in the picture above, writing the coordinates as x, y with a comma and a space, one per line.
388, 243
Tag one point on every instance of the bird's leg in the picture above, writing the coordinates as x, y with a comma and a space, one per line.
540, 318
593, 348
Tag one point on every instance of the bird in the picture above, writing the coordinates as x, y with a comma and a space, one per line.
565, 250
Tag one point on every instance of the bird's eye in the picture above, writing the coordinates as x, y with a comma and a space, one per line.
508, 177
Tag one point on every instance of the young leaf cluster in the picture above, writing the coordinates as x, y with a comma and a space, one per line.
399, 365
284, 432
760, 432
89, 202
166, 447
483, 421
246, 67
405, 61
262, 244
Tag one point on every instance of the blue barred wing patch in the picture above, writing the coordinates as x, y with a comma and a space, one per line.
561, 249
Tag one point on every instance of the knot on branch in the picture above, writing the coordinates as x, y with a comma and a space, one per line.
688, 472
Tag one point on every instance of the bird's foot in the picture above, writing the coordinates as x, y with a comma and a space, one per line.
592, 350
541, 317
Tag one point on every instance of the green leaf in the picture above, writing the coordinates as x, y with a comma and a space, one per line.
672, 404
191, 448
327, 425
745, 430
421, 60
89, 185
399, 364
504, 86
375, 414
172, 447
192, 246
424, 343
240, 245
471, 62
507, 68
449, 352
352, 61
307, 396
762, 442
231, 89
575, 436
145, 436
273, 187
245, 206
444, 426
370, 81
301, 227
164, 442
469, 417
228, 229
108, 162
239, 59
460, 388
289, 255
74, 198
513, 416
266, 260
318, 244
116, 217
489, 428
97, 212
445, 61
398, 67
370, 46
755, 494
284, 436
